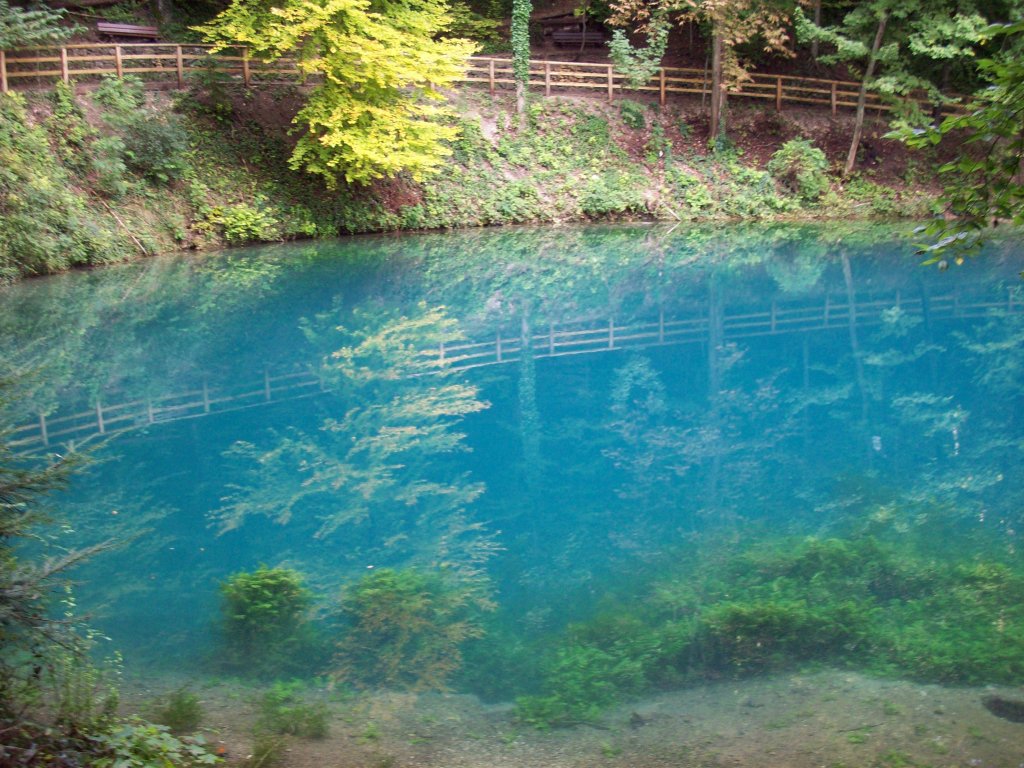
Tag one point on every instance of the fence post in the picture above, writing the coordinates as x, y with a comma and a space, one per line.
118, 62
547, 78
778, 93
42, 429
246, 75
611, 84
661, 86
3, 73
100, 424
834, 99
490, 76
64, 65
181, 66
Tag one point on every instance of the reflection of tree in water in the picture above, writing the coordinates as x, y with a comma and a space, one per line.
975, 433
83, 336
376, 477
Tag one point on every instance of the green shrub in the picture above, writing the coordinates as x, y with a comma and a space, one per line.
658, 147
264, 619
632, 114
242, 223
155, 147
267, 750
468, 24
513, 202
136, 743
283, 711
801, 168
109, 167
580, 683
45, 226
182, 712
592, 131
688, 189
208, 94
612, 192
881, 200
762, 634
67, 125
405, 629
122, 96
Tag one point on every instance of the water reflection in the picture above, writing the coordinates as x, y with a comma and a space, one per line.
662, 404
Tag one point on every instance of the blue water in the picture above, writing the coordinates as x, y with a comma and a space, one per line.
583, 404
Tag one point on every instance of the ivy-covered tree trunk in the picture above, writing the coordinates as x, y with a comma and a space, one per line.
521, 50
858, 127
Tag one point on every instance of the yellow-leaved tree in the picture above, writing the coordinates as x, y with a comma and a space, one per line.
378, 68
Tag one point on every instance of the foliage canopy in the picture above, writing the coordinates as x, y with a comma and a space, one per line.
30, 27
379, 65
985, 182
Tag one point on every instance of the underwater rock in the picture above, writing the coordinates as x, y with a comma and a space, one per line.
1008, 709
636, 720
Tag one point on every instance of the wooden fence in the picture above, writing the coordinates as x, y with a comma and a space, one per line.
41, 67
570, 338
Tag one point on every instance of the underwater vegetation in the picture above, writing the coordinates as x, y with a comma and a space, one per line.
284, 710
264, 623
181, 712
857, 602
405, 628
395, 628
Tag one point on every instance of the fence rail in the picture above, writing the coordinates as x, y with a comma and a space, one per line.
42, 66
571, 338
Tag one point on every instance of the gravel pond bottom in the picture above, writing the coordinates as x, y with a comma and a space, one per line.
826, 718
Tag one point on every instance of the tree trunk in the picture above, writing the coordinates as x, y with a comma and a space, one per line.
583, 40
817, 23
717, 91
858, 127
164, 11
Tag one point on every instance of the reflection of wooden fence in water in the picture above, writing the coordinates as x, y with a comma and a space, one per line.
572, 338
170, 62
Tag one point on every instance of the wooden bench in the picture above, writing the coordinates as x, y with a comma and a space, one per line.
110, 29
569, 37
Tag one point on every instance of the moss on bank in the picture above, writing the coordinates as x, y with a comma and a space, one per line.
115, 173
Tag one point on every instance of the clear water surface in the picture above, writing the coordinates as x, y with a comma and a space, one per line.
573, 421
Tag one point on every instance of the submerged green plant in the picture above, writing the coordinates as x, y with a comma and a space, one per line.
406, 628
284, 710
264, 618
582, 681
856, 601
182, 712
